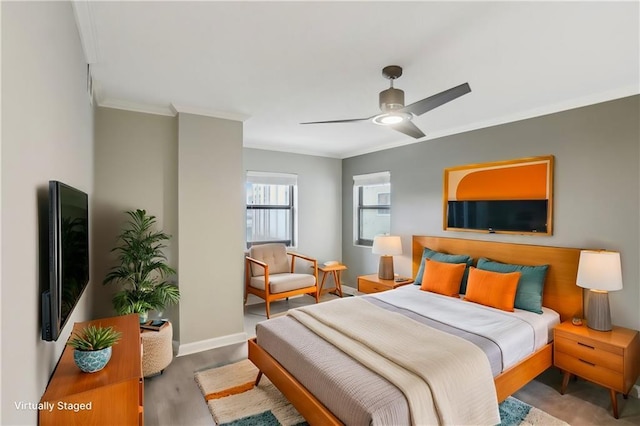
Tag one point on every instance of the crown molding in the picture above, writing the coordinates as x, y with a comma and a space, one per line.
172, 110
290, 150
225, 115
136, 107
86, 29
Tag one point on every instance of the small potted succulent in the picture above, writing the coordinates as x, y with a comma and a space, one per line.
92, 347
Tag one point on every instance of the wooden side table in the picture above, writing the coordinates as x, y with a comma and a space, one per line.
334, 271
608, 358
373, 284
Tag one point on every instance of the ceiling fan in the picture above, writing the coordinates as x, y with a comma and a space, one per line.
398, 116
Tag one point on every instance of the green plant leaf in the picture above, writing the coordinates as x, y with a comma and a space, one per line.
142, 267
94, 338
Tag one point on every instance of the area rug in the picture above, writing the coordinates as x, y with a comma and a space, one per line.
234, 400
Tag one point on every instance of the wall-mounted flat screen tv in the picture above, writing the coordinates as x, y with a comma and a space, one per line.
502, 215
68, 256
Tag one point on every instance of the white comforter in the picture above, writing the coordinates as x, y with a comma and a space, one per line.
446, 379
518, 334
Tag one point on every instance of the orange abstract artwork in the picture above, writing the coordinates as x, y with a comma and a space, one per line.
513, 196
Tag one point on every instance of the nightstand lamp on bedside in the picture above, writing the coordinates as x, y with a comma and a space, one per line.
386, 246
600, 272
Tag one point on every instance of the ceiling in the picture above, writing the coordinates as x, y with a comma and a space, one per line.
276, 64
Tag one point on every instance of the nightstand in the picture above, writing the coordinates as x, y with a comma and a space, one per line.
608, 358
372, 284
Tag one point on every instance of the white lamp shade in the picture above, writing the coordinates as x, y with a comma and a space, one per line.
386, 245
599, 270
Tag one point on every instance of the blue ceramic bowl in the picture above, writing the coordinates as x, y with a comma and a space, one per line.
92, 361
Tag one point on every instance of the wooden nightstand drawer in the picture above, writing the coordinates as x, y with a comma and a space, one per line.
591, 353
600, 344
590, 371
373, 284
369, 287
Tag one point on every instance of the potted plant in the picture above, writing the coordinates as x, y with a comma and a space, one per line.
93, 347
142, 270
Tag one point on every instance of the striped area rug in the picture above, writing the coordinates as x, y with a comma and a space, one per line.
234, 400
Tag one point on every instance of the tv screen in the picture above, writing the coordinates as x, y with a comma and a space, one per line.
68, 256
499, 215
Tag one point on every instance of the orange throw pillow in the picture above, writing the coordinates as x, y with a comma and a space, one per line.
494, 289
443, 278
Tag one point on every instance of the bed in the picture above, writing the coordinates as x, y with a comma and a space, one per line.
560, 294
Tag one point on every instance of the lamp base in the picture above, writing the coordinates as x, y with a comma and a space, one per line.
385, 269
598, 313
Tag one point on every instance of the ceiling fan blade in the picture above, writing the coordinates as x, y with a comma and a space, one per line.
408, 128
351, 120
432, 102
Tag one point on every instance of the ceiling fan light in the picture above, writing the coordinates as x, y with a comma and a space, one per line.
390, 119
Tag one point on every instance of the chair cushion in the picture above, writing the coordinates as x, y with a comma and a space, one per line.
274, 255
279, 283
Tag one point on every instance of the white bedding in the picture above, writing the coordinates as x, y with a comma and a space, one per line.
445, 379
518, 333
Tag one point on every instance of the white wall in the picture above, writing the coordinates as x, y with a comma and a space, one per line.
47, 133
211, 223
1, 400
596, 187
319, 198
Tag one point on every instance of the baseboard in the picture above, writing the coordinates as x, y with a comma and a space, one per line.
635, 391
217, 342
349, 290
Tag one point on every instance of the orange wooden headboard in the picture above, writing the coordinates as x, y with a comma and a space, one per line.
560, 290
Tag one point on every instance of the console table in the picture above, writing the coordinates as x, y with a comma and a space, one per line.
111, 396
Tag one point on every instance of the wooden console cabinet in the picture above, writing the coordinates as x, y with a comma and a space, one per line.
112, 396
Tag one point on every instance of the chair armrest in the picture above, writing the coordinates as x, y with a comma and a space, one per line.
248, 274
313, 261
257, 262
302, 256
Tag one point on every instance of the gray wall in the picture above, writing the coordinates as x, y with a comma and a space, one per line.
596, 190
135, 168
319, 201
47, 133
211, 221
186, 171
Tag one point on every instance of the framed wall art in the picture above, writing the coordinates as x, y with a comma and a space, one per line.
513, 196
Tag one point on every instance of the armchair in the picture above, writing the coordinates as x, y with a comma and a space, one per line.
270, 276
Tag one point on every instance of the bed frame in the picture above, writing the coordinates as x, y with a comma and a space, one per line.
560, 294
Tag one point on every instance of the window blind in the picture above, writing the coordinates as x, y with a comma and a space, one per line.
377, 178
270, 178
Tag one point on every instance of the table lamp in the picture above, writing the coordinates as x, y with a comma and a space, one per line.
386, 246
600, 272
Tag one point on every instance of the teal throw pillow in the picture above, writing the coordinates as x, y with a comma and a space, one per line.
427, 253
530, 285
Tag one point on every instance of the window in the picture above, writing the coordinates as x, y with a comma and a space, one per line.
271, 208
372, 206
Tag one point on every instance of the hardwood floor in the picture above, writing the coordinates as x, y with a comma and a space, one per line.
174, 399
